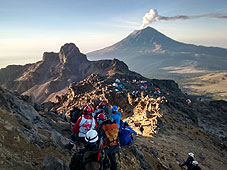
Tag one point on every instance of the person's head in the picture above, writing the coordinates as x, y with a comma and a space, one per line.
87, 110
114, 109
101, 105
191, 155
91, 137
195, 163
100, 118
126, 123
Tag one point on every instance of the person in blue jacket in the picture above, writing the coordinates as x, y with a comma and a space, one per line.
116, 116
125, 135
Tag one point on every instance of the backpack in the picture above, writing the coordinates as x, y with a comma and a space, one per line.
75, 113
111, 130
107, 112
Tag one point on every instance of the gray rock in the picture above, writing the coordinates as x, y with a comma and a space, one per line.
201, 156
154, 151
143, 162
52, 163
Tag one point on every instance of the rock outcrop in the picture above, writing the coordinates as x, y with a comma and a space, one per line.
51, 76
169, 124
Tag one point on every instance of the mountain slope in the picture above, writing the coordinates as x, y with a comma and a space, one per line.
152, 53
171, 129
51, 76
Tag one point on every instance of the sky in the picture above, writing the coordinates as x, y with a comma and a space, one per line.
30, 27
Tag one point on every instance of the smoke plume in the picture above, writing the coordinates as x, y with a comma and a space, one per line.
153, 16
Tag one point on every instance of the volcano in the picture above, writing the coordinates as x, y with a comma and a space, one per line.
153, 54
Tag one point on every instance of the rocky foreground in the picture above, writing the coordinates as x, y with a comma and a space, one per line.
32, 135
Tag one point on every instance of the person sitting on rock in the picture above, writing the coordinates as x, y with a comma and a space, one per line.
91, 157
81, 127
195, 166
116, 116
125, 135
189, 161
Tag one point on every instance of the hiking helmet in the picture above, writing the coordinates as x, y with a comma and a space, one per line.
101, 104
91, 136
195, 163
114, 108
87, 109
191, 154
101, 116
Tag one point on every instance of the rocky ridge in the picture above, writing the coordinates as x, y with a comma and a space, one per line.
169, 123
51, 76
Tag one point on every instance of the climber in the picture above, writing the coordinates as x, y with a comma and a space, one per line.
195, 166
145, 86
121, 86
141, 129
100, 118
83, 124
117, 80
142, 88
133, 94
108, 135
115, 85
157, 92
91, 157
125, 135
116, 116
189, 161
188, 102
103, 108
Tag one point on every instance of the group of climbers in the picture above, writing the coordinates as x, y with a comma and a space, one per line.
99, 133
118, 85
191, 163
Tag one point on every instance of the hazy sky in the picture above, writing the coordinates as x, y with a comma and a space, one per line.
30, 27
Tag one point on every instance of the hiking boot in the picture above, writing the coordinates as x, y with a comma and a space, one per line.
69, 146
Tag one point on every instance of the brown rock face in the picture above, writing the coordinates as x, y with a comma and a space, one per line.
51, 76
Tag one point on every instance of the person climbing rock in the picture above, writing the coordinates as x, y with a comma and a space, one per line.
81, 127
195, 166
126, 135
188, 102
91, 157
116, 116
189, 161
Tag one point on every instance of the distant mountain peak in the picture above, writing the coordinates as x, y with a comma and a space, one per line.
69, 47
70, 52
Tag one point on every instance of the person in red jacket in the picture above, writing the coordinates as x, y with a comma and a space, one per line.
81, 127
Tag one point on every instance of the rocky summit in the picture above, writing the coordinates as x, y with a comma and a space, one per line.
33, 135
51, 76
